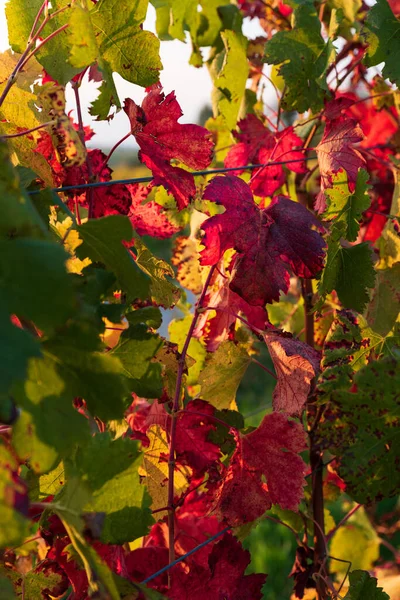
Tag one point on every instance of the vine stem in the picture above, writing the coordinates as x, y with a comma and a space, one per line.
174, 416
316, 462
81, 131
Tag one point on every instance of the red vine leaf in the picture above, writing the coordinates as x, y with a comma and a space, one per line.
216, 329
148, 219
225, 576
269, 241
335, 150
257, 144
296, 364
161, 138
270, 452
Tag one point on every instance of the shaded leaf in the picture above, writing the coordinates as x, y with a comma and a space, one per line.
103, 243
222, 374
136, 350
382, 33
110, 470
296, 364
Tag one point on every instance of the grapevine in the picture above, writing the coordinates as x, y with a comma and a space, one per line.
200, 361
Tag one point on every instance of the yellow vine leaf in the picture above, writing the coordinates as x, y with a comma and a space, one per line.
155, 471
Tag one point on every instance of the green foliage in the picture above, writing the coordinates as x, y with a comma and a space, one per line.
382, 33
349, 269
109, 469
222, 374
303, 57
229, 71
54, 55
365, 433
13, 525
346, 208
136, 350
356, 542
102, 242
364, 587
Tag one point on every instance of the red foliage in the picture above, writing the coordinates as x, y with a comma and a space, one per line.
258, 145
216, 329
161, 138
269, 241
215, 571
336, 149
149, 218
271, 451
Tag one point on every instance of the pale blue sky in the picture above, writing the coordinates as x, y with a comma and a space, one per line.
192, 86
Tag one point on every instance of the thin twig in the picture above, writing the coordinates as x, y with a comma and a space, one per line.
35, 22
343, 521
174, 414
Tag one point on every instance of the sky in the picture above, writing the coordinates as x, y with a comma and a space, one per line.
192, 86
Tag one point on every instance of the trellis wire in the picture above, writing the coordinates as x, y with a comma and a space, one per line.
181, 558
149, 178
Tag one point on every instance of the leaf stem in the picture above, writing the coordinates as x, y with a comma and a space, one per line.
343, 521
113, 149
26, 131
43, 8
257, 362
174, 415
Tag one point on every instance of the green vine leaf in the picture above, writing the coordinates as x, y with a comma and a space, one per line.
222, 374
229, 71
103, 243
362, 428
49, 426
364, 587
53, 56
382, 33
346, 208
303, 57
109, 468
136, 350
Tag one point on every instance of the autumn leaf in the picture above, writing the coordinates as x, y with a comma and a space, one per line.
161, 138
258, 145
69, 147
270, 242
265, 469
296, 364
216, 328
336, 149
224, 576
148, 218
